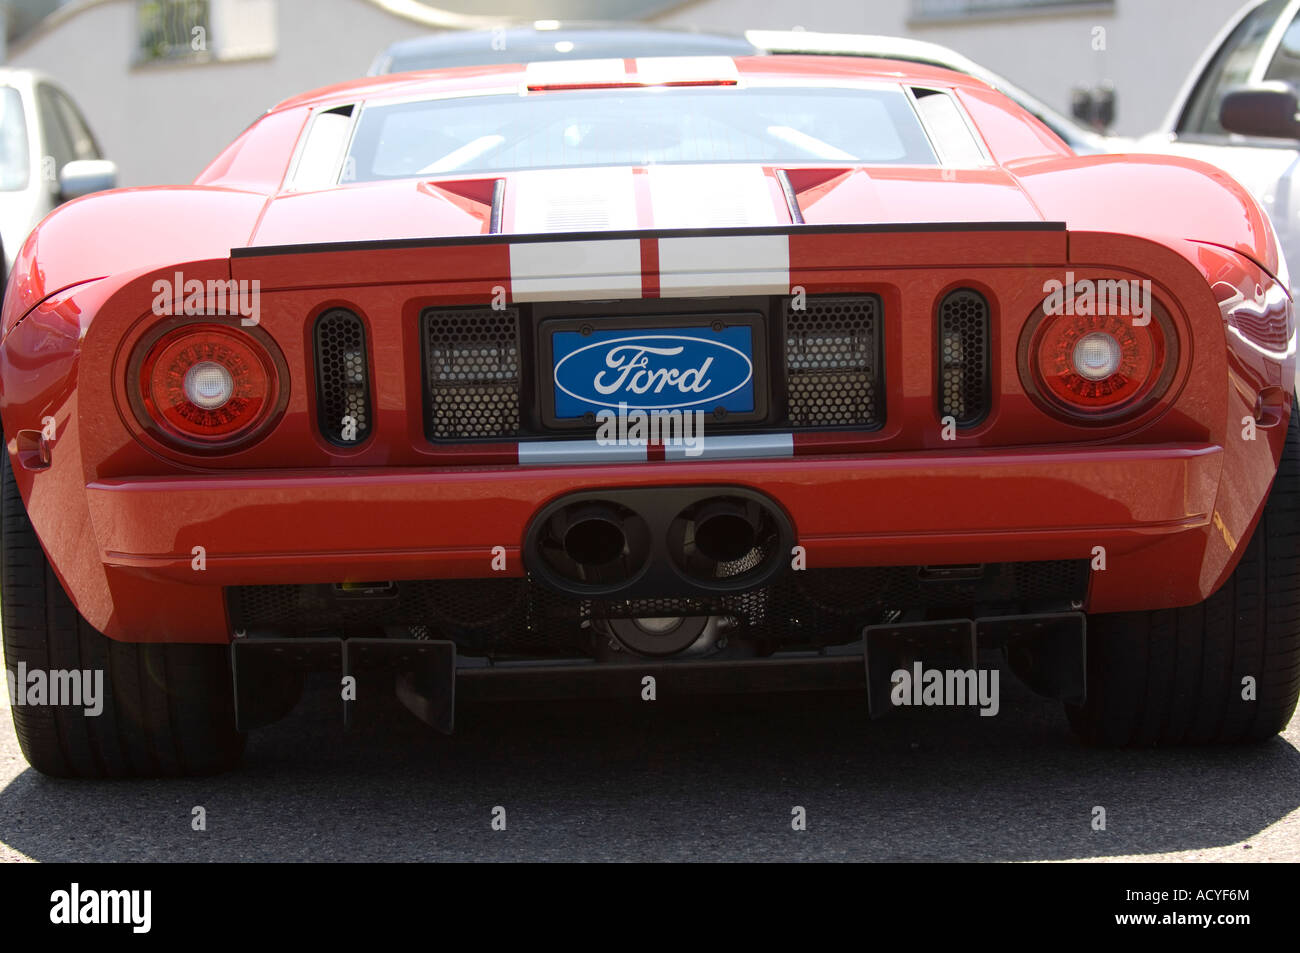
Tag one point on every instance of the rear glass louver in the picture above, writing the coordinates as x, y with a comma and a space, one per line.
964, 376
342, 378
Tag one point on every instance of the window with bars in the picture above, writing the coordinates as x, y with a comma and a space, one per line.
172, 29
203, 31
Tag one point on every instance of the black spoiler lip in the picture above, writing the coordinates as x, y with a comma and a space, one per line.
262, 251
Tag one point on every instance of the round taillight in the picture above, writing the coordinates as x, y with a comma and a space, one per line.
210, 385
1097, 356
1096, 368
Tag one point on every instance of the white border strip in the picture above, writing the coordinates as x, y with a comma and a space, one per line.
730, 447
551, 452
737, 447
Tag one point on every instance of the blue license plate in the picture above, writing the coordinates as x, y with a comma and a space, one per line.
679, 368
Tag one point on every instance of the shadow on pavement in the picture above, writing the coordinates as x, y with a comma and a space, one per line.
676, 779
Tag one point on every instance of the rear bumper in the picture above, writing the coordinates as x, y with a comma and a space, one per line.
407, 524
1151, 509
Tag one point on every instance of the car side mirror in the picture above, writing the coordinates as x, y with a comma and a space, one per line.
1081, 104
1103, 107
1268, 110
83, 176
1094, 106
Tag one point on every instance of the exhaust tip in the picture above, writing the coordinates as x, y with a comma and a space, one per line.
595, 543
595, 540
724, 537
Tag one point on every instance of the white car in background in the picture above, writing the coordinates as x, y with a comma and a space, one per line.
1238, 108
48, 155
1079, 138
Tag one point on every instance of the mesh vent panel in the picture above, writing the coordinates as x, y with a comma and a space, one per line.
472, 359
832, 352
964, 357
342, 377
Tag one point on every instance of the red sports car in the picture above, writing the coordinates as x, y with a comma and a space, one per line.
645, 376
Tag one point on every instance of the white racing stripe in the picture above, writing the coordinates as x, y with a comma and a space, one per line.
574, 200
575, 271
724, 264
701, 196
658, 70
561, 73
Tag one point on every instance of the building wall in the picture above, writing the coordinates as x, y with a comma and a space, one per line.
163, 122
1151, 45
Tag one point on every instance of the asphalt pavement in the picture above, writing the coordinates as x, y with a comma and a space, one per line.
698, 778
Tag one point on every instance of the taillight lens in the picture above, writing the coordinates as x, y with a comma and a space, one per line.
208, 384
1097, 368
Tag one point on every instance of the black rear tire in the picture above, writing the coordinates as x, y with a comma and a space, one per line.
1178, 676
168, 710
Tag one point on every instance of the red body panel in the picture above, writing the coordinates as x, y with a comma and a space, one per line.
1172, 495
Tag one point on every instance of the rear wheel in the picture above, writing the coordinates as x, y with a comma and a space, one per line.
1226, 670
163, 710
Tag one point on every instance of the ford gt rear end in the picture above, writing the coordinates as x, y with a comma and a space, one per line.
648, 375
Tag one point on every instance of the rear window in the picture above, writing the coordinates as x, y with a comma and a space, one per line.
651, 126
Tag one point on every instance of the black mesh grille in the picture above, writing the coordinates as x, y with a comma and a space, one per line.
832, 357
964, 357
342, 377
1025, 587
522, 618
472, 360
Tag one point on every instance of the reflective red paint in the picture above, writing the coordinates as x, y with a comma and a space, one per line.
1171, 492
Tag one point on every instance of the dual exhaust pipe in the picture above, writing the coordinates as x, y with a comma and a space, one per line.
658, 540
723, 531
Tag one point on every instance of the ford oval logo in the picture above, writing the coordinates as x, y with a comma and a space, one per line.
666, 371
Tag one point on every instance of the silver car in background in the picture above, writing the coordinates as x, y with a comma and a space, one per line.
1082, 140
1237, 110
546, 40
48, 155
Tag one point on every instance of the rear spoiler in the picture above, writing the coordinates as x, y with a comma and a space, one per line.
647, 263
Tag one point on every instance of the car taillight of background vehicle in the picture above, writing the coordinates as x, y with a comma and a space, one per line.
1097, 369
207, 386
